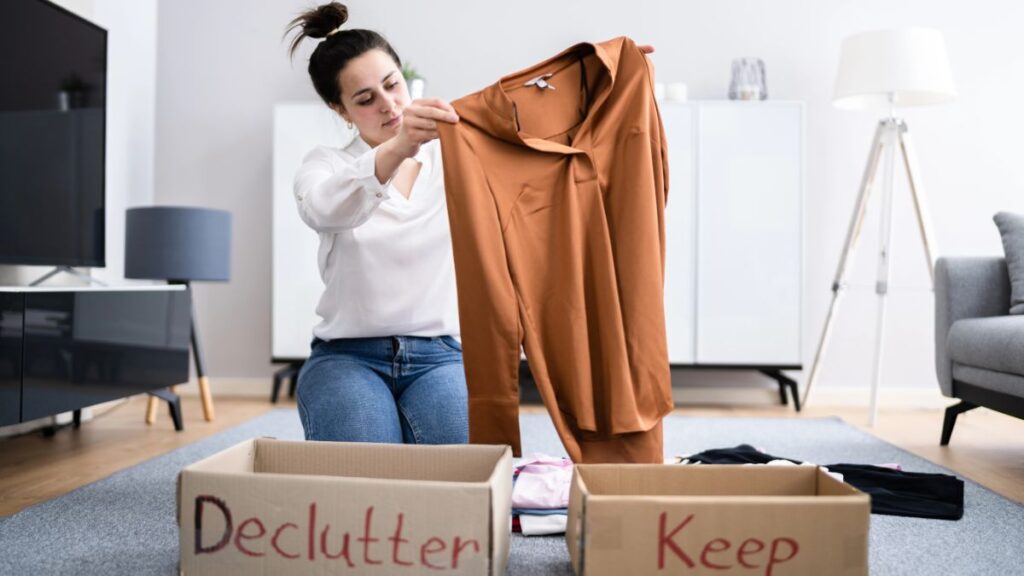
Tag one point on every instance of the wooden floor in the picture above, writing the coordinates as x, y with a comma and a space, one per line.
987, 447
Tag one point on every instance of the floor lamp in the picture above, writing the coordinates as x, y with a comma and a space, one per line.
886, 69
179, 245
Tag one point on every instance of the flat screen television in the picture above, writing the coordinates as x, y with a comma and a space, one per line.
53, 84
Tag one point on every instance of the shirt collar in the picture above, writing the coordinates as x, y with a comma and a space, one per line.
497, 115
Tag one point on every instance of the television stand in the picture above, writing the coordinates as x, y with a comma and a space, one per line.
66, 270
68, 347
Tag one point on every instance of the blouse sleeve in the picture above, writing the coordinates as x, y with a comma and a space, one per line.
332, 198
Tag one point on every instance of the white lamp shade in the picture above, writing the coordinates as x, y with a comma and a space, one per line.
900, 68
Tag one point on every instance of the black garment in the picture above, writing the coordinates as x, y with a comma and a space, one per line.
893, 492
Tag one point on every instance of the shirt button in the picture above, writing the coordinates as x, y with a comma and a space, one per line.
380, 194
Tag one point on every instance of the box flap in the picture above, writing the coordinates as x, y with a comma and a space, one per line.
701, 480
829, 486
238, 458
462, 463
574, 523
501, 512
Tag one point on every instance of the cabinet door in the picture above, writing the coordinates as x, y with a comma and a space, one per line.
750, 180
86, 347
11, 332
680, 233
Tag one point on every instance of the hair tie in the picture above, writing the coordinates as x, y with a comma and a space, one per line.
332, 32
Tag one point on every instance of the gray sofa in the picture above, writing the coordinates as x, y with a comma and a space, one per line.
979, 346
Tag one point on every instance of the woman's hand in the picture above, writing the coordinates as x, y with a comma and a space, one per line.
419, 123
419, 126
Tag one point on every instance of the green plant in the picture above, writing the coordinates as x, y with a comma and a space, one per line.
409, 73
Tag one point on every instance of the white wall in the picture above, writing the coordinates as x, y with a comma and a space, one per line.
222, 66
131, 118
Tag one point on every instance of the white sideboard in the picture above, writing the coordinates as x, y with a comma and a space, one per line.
733, 232
734, 254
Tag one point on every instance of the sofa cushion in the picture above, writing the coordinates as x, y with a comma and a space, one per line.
995, 343
1011, 229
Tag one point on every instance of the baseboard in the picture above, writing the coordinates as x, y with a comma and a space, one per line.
906, 397
47, 421
234, 386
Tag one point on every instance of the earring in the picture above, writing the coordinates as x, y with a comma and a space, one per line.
349, 124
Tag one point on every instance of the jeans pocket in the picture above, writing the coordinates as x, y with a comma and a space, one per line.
450, 343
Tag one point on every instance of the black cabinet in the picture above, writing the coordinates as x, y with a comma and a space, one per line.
67, 349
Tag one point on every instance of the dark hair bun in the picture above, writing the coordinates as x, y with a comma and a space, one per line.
317, 23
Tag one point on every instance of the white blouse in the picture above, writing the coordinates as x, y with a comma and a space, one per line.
386, 261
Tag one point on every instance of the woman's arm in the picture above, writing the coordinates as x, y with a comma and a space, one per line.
332, 199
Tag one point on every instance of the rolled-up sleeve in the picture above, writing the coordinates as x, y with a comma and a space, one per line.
334, 196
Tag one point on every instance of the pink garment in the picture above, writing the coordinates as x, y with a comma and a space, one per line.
543, 483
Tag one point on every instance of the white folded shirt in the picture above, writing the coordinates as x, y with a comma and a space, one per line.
532, 525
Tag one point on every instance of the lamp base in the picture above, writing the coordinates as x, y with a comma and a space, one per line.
197, 355
889, 133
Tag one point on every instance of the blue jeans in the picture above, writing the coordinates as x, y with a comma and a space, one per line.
395, 389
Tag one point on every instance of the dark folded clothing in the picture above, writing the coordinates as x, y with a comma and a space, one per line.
898, 493
893, 492
742, 454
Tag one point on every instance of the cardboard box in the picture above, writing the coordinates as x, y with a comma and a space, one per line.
279, 507
751, 520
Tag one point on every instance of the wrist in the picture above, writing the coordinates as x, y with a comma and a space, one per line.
401, 147
389, 156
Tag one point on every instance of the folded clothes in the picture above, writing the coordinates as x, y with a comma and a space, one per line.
893, 491
542, 525
542, 483
540, 511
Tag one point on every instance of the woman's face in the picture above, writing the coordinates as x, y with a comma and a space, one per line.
373, 96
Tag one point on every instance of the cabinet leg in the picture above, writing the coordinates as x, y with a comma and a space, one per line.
785, 383
289, 373
173, 403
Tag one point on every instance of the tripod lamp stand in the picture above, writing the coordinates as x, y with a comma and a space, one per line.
179, 245
886, 69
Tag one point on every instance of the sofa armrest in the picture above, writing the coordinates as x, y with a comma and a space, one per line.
966, 287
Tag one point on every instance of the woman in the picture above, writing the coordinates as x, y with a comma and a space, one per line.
385, 364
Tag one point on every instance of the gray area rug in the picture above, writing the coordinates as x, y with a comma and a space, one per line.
125, 524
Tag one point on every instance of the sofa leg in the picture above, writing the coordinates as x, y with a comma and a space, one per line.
950, 420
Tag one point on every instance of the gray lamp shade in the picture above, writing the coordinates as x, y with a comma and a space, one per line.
177, 243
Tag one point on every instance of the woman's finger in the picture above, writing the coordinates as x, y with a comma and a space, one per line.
434, 109
423, 136
432, 103
420, 123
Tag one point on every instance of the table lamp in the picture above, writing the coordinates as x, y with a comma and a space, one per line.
179, 245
